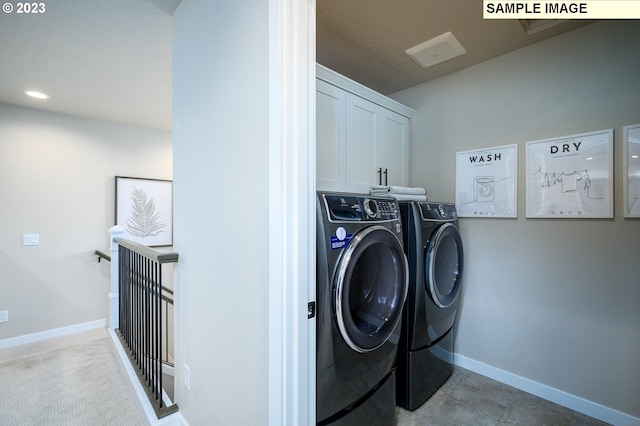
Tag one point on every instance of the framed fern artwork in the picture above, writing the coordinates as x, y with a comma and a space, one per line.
144, 208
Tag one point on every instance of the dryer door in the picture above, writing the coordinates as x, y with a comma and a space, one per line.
370, 287
443, 265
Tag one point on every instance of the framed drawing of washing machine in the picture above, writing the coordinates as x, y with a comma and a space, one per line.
487, 182
631, 176
571, 176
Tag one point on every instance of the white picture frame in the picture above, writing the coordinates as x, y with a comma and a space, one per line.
570, 177
144, 209
487, 182
631, 174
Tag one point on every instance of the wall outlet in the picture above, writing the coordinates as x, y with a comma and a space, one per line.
4, 316
187, 377
30, 239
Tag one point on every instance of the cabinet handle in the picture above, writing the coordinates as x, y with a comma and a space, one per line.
380, 176
386, 175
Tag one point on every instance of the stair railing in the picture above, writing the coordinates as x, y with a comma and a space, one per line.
140, 316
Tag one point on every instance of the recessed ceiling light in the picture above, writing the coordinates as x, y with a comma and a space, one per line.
37, 95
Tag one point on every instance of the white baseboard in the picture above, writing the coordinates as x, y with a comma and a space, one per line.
50, 334
559, 397
174, 419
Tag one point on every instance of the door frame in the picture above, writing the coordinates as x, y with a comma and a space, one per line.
292, 183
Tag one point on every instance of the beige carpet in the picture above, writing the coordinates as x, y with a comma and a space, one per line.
75, 380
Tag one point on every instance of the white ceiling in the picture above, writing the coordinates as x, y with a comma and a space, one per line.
111, 59
103, 59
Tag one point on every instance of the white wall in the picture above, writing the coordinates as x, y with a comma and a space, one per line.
553, 301
221, 158
244, 138
57, 180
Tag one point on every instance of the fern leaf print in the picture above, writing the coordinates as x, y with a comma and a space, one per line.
144, 221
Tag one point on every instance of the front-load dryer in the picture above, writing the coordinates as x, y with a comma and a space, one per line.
362, 281
435, 254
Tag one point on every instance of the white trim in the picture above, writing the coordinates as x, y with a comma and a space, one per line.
114, 298
174, 419
557, 396
50, 334
339, 80
291, 211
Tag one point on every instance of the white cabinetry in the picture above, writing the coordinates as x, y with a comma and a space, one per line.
392, 155
330, 136
362, 137
362, 128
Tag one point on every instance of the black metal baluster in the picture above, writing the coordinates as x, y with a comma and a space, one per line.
158, 332
143, 319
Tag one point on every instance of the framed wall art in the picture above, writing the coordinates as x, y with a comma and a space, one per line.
570, 176
631, 175
487, 182
144, 208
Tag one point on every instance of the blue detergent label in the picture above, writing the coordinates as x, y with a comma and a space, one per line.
337, 243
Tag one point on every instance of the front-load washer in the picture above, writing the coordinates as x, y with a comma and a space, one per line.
435, 254
362, 282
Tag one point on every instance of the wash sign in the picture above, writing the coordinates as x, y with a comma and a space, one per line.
586, 9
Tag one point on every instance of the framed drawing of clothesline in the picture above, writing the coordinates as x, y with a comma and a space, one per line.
487, 181
570, 176
631, 176
144, 208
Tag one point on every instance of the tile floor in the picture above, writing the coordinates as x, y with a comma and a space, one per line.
468, 398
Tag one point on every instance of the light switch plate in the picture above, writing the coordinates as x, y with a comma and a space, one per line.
187, 377
30, 239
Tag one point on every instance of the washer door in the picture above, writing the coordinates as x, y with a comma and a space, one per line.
370, 287
443, 265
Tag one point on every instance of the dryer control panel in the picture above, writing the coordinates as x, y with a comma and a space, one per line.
350, 208
441, 212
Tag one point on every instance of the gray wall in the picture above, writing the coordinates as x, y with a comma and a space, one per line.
57, 180
554, 301
221, 159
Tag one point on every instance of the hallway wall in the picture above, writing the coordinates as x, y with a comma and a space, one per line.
553, 301
57, 180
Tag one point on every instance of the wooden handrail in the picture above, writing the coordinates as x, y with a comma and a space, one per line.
102, 255
147, 251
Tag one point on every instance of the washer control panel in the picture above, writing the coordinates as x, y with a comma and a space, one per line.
442, 212
352, 208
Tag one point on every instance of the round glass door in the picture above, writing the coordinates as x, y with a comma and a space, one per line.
443, 264
370, 286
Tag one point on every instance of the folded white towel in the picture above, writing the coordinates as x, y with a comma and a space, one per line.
380, 188
409, 197
407, 191
400, 193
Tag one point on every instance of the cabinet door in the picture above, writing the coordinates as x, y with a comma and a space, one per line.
330, 137
392, 153
362, 128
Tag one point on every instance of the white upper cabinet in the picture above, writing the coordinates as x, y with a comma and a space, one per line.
392, 150
362, 130
330, 136
362, 137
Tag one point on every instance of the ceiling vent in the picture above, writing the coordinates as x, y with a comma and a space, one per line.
436, 50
